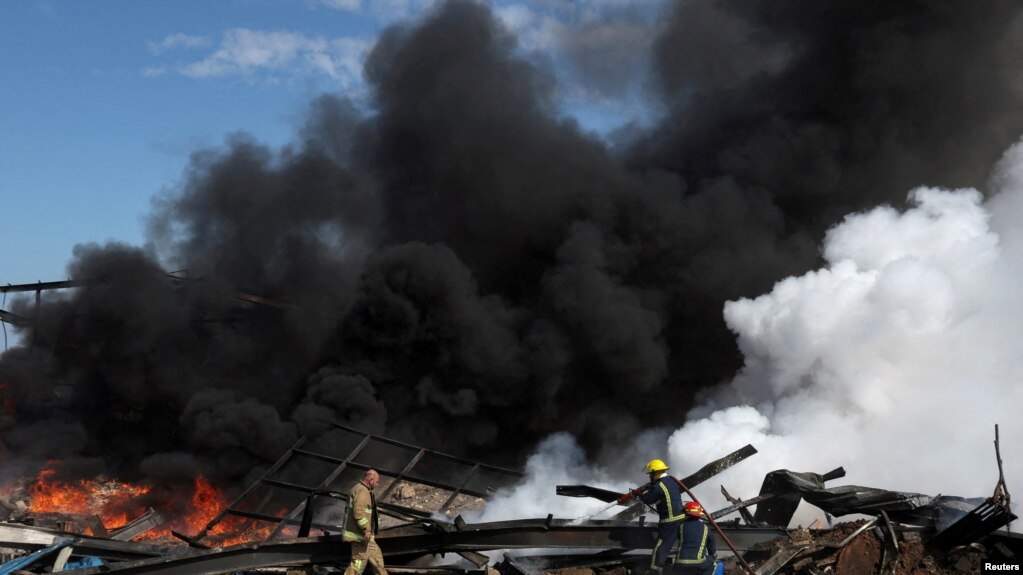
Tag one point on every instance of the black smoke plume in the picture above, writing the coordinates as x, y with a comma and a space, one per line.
464, 268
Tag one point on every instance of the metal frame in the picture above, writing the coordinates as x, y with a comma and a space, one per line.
299, 515
983, 519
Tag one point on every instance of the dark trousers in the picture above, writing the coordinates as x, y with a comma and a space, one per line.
667, 537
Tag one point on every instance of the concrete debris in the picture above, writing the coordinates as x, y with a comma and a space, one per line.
405, 493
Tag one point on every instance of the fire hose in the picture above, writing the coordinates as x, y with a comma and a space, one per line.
635, 493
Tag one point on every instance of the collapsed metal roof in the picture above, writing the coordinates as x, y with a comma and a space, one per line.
314, 471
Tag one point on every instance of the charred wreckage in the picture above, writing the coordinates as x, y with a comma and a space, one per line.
288, 521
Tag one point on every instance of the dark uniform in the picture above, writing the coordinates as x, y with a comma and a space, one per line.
696, 552
666, 495
362, 517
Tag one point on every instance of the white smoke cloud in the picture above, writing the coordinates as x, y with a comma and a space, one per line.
894, 360
558, 460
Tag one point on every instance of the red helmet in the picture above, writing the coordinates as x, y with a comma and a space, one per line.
693, 509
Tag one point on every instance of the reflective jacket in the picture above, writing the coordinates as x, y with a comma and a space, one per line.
697, 543
666, 495
361, 515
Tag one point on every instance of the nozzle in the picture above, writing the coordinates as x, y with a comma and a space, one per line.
632, 494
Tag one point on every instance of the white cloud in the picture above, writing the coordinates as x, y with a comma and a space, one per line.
269, 55
179, 40
573, 13
393, 9
385, 10
515, 16
244, 51
536, 31
599, 51
349, 5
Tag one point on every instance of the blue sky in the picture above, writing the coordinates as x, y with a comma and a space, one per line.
104, 101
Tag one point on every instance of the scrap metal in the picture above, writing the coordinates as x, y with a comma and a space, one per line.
42, 286
24, 561
1001, 496
14, 319
30, 538
406, 543
987, 517
151, 519
788, 488
933, 512
178, 278
891, 540
740, 506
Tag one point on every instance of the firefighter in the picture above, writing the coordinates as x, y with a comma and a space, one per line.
664, 493
361, 526
697, 548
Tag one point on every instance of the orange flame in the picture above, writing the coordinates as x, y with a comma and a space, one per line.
110, 500
206, 502
114, 503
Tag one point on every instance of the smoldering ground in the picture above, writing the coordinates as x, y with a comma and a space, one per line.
462, 265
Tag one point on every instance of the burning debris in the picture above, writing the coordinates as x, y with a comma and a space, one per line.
426, 496
102, 507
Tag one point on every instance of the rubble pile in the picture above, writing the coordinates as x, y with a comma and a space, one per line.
847, 549
426, 498
289, 521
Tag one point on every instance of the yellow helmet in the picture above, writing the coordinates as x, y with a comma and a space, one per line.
654, 466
